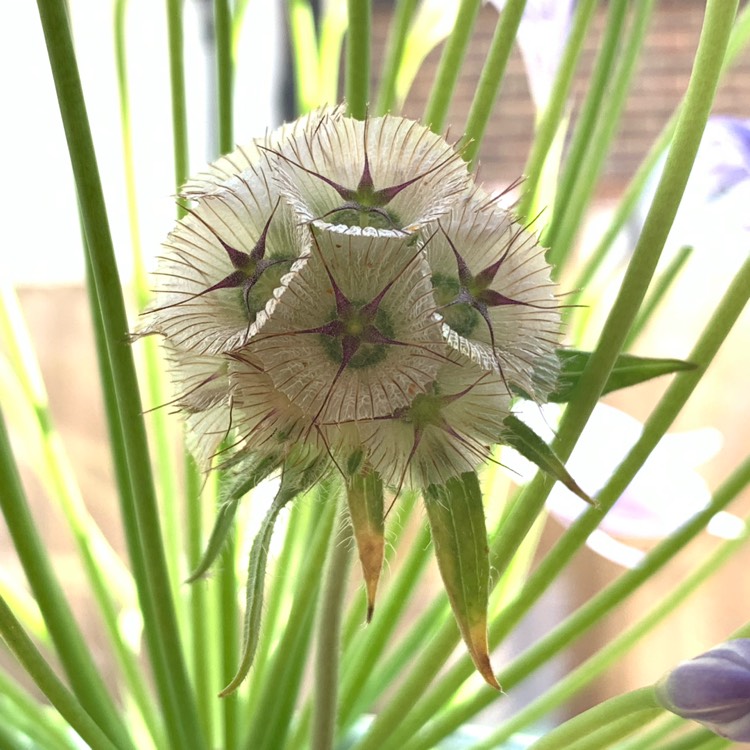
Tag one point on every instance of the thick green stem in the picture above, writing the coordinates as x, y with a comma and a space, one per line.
110, 302
358, 57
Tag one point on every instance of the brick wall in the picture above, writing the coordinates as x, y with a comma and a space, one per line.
658, 86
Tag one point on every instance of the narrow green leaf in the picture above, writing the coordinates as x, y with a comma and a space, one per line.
523, 439
364, 496
456, 517
294, 480
628, 370
228, 510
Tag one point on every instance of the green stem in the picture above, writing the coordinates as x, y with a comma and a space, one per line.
554, 113
70, 645
155, 386
205, 674
451, 62
698, 739
403, 14
177, 81
492, 76
46, 680
616, 730
275, 706
225, 73
103, 266
230, 638
357, 80
641, 702
549, 568
328, 647
51, 732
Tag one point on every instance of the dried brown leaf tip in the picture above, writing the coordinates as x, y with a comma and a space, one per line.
342, 288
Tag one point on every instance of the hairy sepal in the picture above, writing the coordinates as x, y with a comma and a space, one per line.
228, 510
456, 517
519, 436
297, 477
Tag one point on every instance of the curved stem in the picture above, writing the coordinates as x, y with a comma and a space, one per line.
46, 680
639, 701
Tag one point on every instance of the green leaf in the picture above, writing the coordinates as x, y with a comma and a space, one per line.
523, 439
456, 517
628, 370
227, 511
364, 496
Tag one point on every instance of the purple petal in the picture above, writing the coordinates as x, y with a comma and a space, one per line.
713, 689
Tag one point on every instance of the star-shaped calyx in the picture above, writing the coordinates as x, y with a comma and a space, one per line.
444, 431
406, 156
248, 267
474, 290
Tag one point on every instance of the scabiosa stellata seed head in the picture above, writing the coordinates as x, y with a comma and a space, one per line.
713, 689
341, 298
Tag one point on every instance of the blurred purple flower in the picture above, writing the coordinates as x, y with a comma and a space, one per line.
713, 689
664, 494
723, 162
542, 36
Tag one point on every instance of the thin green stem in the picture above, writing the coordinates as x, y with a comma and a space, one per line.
103, 266
451, 62
16, 701
615, 730
403, 14
46, 680
357, 81
641, 702
737, 42
155, 385
177, 81
600, 87
273, 713
226, 593
660, 287
204, 670
225, 73
491, 78
554, 113
328, 646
